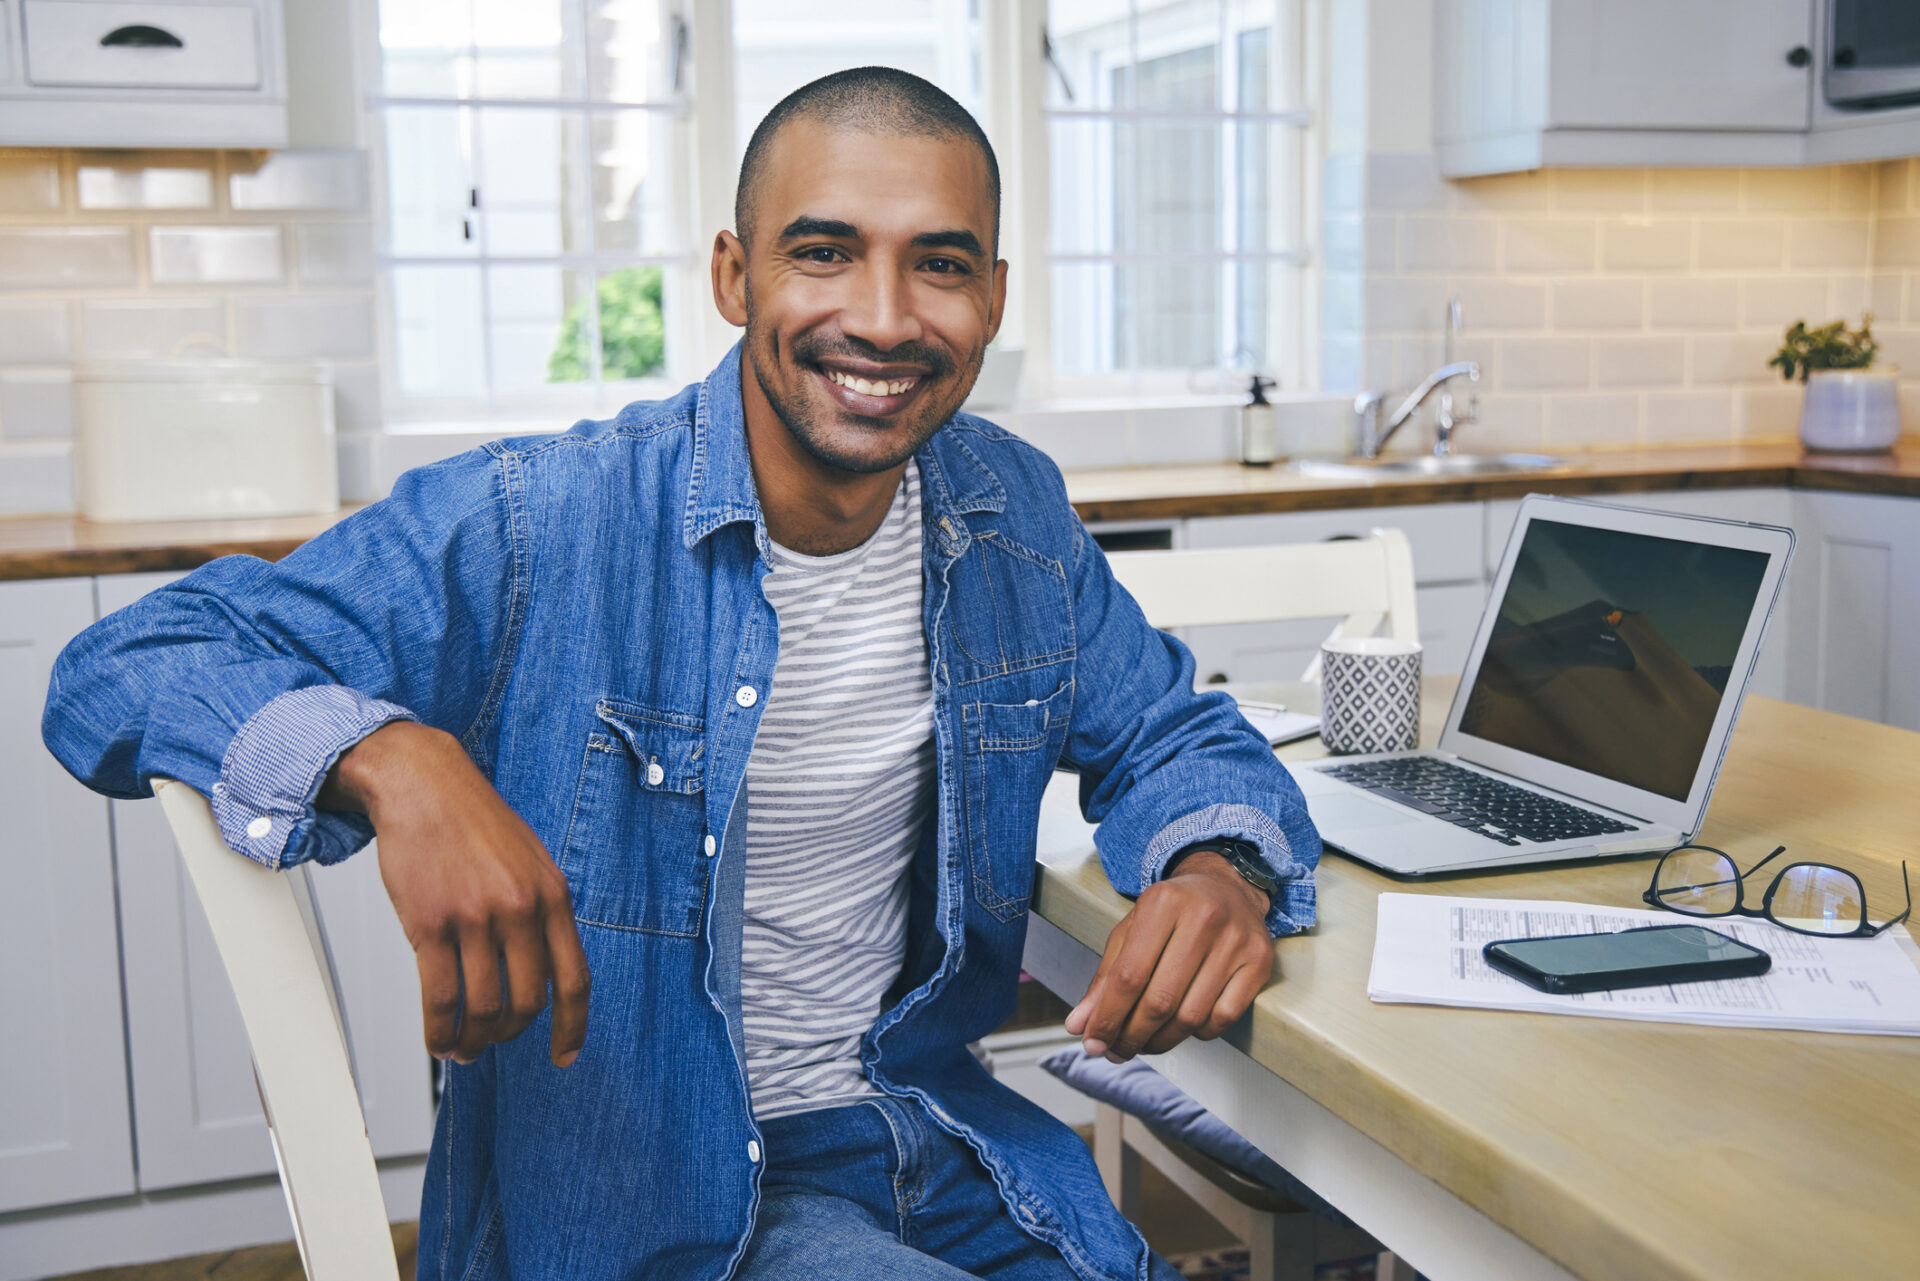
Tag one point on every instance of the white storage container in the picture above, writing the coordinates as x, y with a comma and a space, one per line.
178, 439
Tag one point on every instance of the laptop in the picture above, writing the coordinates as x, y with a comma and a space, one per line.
1603, 684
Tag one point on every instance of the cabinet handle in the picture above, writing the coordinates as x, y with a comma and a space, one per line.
1799, 56
140, 36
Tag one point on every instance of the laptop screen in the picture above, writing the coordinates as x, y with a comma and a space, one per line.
1611, 652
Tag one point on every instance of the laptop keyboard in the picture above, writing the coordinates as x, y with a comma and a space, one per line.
1482, 805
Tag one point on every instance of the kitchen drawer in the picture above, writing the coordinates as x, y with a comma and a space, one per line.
1446, 537
141, 46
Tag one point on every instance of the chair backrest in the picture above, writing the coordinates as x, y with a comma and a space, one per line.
1364, 582
274, 951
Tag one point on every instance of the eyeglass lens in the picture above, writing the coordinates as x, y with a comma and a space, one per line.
1699, 882
1818, 900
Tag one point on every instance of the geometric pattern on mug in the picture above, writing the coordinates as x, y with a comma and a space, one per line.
1370, 703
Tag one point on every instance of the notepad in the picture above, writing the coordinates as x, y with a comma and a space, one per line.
1276, 722
1427, 952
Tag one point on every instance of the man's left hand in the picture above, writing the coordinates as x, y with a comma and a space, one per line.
1186, 961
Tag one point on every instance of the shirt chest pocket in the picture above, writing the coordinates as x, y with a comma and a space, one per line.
1010, 752
634, 858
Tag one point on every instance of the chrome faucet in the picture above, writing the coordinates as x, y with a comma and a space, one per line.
1366, 406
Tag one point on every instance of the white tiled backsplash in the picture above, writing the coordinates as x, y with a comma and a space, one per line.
1615, 307
108, 255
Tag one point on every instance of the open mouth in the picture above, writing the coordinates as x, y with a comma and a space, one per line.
870, 392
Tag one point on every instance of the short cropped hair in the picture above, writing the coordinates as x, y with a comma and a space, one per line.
865, 99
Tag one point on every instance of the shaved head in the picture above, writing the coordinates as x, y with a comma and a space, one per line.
877, 100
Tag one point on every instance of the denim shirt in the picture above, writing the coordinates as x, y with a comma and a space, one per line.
584, 613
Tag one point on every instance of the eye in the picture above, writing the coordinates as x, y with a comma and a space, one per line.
823, 254
947, 266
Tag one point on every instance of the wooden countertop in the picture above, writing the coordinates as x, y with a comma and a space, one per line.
1624, 1151
65, 546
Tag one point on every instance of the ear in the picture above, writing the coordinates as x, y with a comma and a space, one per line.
997, 310
730, 278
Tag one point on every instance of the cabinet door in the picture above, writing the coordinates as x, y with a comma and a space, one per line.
64, 1132
1855, 617
1680, 64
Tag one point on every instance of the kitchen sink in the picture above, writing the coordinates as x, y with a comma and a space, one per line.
1437, 466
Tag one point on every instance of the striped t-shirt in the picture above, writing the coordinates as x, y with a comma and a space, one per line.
839, 786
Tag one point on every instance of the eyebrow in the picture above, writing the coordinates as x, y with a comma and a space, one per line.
959, 238
965, 241
832, 227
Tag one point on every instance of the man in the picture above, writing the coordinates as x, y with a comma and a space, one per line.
779, 668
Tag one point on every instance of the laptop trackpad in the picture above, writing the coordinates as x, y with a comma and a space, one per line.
1350, 813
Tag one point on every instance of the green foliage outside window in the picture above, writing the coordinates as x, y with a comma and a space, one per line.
633, 331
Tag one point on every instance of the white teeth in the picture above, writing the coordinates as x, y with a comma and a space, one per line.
865, 388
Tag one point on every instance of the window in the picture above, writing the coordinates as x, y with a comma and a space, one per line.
1174, 244
534, 248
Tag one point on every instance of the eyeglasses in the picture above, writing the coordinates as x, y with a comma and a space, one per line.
1807, 898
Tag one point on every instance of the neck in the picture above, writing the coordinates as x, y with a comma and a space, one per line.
809, 506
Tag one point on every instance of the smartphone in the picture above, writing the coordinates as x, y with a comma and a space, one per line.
1644, 957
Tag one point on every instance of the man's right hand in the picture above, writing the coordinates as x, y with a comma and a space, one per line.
473, 887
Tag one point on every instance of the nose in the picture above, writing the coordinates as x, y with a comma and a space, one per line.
880, 311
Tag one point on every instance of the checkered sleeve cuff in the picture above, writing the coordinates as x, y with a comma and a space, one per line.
1293, 903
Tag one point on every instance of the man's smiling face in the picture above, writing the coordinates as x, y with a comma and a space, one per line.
870, 290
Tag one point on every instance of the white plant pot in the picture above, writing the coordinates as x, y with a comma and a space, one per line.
1851, 410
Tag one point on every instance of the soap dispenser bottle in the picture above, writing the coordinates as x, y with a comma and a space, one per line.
1259, 426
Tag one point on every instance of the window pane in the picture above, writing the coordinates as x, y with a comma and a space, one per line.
426, 47
634, 198
539, 327
532, 185
1083, 318
632, 323
527, 49
429, 181
1089, 39
1081, 155
437, 330
627, 56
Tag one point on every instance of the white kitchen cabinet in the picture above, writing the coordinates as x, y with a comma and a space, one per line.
1446, 537
64, 1129
1855, 623
182, 73
195, 1106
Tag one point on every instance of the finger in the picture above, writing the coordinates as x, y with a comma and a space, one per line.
571, 985
525, 952
1132, 967
484, 1007
439, 964
1237, 998
1196, 1012
1173, 975
1116, 939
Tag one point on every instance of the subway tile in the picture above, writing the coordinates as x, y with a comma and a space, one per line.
1404, 181
1448, 244
302, 180
1896, 242
1886, 294
1737, 243
1852, 189
65, 256
1579, 422
1547, 244
1912, 310
34, 333
1890, 189
36, 478
1847, 295
29, 181
132, 183
1731, 358
1639, 362
1340, 303
1377, 242
1693, 190
1414, 358
1768, 413
1077, 439
1405, 304
1340, 244
335, 253
1899, 346
1377, 362
1528, 364
1693, 304
313, 325
1614, 191
36, 404
1340, 361
1504, 421
1673, 416
1525, 192
1829, 242
1207, 434
1599, 304
144, 328
1664, 245
1501, 304
215, 255
1774, 302
1786, 190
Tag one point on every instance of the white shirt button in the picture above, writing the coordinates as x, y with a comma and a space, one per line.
746, 696
259, 827
753, 1150
655, 775
711, 845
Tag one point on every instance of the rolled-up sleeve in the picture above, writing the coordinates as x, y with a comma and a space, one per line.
275, 766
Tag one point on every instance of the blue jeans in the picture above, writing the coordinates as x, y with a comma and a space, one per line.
875, 1189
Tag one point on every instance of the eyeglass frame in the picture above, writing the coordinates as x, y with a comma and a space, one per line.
1765, 910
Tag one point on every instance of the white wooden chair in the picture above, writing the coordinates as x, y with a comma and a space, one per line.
274, 951
1364, 582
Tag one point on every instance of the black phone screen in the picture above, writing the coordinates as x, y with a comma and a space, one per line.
1657, 954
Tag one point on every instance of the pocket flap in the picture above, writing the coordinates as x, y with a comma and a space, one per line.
668, 748
1016, 727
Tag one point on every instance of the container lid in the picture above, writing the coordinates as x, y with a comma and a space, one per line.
200, 370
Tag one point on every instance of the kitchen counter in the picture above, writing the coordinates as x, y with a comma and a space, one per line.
66, 546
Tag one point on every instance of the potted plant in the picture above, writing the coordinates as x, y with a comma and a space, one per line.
1850, 405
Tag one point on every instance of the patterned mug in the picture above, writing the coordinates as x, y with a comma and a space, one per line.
1370, 695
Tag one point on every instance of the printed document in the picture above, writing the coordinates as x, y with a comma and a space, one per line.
1427, 952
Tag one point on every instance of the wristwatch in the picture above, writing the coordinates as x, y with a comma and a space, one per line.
1244, 857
